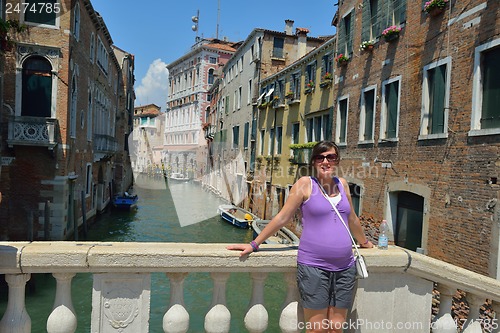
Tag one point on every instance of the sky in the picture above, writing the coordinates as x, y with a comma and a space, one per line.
158, 32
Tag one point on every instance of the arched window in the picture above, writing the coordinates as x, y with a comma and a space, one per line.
36, 87
76, 22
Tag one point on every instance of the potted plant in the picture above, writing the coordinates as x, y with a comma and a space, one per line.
290, 94
435, 7
391, 33
367, 45
342, 59
326, 80
309, 87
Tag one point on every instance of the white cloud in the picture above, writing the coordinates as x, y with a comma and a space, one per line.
154, 86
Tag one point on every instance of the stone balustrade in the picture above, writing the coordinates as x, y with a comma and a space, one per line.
397, 296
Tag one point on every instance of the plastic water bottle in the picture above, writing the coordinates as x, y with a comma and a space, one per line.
382, 237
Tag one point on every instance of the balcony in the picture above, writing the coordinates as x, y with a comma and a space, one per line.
301, 156
396, 297
104, 146
32, 131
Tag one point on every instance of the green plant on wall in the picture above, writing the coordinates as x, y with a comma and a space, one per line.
302, 145
8, 28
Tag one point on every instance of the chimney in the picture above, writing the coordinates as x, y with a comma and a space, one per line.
301, 41
289, 27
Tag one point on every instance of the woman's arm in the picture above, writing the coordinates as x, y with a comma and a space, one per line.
354, 224
299, 192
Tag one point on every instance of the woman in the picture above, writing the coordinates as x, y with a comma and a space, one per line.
326, 270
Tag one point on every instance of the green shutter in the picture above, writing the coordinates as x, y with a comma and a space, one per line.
369, 108
343, 120
392, 108
437, 86
341, 38
490, 117
366, 23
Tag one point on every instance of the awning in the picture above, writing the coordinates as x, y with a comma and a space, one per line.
260, 97
269, 92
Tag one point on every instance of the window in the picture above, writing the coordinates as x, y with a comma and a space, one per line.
342, 120
89, 117
317, 128
246, 133
279, 139
249, 100
311, 73
36, 87
74, 98
278, 45
346, 34
367, 117
326, 64
435, 98
279, 90
92, 47
76, 22
271, 148
372, 20
486, 90
295, 85
212, 60
262, 136
236, 136
239, 97
88, 175
295, 133
102, 56
390, 109
33, 12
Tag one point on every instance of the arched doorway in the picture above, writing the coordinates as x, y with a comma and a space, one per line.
36, 87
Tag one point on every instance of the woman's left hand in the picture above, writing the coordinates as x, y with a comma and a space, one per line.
244, 248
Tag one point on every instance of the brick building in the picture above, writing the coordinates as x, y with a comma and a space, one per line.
418, 123
68, 100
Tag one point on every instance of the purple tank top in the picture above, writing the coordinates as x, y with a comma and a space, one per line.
324, 242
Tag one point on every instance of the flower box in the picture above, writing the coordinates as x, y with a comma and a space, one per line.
325, 83
435, 7
391, 33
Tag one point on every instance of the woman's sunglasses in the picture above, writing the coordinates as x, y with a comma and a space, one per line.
329, 158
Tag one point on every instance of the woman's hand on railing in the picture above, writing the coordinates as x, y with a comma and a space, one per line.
244, 248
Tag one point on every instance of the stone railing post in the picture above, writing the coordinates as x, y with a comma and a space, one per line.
257, 318
62, 318
176, 319
290, 314
444, 322
473, 324
218, 319
16, 318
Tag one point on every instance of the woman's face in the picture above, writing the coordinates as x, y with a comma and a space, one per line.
326, 163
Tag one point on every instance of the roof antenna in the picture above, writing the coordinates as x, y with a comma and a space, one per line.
218, 19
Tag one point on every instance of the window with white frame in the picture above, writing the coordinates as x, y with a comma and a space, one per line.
212, 60
102, 56
367, 116
389, 116
239, 97
435, 98
317, 128
485, 118
249, 99
342, 111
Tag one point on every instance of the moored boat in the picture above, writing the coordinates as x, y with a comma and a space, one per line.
283, 236
125, 201
178, 177
237, 216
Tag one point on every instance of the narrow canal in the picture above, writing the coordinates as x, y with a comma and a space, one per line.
156, 221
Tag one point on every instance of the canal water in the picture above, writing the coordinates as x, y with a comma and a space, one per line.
156, 220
